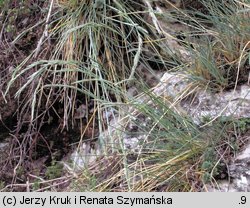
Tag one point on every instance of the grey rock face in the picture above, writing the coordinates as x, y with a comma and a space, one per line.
240, 171
199, 103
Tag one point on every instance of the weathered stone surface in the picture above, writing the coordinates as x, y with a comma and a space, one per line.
199, 103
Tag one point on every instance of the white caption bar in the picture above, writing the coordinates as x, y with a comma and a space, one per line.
116, 200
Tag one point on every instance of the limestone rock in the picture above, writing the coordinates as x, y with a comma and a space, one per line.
199, 103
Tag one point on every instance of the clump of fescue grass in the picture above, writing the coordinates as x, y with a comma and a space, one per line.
175, 155
98, 46
230, 44
221, 52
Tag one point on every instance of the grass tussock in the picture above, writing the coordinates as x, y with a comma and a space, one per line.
97, 50
174, 155
222, 55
